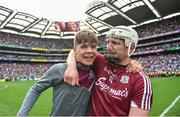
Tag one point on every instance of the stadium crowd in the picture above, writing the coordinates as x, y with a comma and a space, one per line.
156, 48
17, 40
163, 26
31, 57
159, 64
23, 71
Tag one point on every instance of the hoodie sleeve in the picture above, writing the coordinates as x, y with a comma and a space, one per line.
51, 78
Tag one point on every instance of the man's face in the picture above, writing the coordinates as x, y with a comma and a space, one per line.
116, 48
86, 53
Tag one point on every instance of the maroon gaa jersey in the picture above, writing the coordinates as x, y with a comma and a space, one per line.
116, 90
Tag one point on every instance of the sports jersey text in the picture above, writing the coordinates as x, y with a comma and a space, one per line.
103, 86
111, 74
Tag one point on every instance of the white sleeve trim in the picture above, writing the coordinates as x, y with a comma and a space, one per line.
133, 104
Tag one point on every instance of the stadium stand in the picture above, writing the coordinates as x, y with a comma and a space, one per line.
27, 57
24, 57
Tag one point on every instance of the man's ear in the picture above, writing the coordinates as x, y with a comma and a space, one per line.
132, 47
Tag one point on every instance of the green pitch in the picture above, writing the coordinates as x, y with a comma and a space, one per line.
12, 97
166, 90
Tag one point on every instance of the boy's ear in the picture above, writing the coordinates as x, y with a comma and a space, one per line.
74, 48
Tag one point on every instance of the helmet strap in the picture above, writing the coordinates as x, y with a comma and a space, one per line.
111, 59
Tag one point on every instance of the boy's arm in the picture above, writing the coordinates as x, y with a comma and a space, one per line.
134, 66
50, 78
71, 74
28, 102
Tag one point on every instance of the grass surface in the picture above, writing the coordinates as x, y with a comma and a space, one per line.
12, 94
165, 92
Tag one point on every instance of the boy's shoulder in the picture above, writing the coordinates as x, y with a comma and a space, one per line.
59, 66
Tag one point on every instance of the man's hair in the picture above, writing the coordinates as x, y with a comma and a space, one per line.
85, 36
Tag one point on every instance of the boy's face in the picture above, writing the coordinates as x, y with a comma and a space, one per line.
86, 53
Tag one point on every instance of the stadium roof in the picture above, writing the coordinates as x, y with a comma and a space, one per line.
101, 16
128, 12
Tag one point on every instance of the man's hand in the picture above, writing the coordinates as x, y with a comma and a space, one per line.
71, 76
134, 66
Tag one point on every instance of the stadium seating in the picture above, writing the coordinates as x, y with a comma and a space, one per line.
25, 57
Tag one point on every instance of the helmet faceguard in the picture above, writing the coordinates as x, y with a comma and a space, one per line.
128, 34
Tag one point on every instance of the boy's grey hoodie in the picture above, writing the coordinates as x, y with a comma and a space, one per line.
67, 100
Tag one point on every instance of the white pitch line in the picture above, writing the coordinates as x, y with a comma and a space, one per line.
4, 86
169, 107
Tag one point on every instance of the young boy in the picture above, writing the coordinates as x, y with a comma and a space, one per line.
67, 100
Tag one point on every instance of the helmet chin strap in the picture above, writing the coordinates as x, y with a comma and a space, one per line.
111, 59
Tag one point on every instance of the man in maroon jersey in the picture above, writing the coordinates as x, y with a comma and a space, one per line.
116, 91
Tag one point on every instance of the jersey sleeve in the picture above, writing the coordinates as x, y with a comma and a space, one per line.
98, 61
142, 92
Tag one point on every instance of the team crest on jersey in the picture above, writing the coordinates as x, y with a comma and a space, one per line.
124, 79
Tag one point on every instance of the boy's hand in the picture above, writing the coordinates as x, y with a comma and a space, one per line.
134, 66
71, 76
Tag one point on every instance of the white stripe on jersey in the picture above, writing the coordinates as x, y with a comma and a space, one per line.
150, 94
142, 103
148, 91
146, 100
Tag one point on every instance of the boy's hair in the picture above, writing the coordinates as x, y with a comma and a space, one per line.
85, 36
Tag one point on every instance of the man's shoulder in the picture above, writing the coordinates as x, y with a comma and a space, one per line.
99, 57
140, 76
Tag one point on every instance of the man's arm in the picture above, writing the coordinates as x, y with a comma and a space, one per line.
142, 99
135, 111
71, 74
